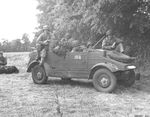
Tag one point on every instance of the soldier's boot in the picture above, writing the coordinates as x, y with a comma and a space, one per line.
41, 61
38, 56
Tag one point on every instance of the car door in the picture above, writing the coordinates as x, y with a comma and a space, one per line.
77, 64
58, 64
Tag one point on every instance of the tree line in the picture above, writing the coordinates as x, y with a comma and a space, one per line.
88, 20
18, 45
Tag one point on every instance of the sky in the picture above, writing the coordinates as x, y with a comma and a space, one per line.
17, 17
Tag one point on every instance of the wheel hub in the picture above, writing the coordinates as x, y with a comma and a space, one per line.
104, 82
39, 75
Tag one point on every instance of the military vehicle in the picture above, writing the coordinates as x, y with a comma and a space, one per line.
104, 67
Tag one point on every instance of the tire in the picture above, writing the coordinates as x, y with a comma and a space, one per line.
128, 80
39, 75
104, 80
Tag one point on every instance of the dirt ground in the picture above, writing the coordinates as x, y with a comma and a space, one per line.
20, 97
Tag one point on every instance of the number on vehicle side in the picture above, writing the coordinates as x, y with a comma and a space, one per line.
77, 57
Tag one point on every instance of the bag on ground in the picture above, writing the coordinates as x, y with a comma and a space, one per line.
8, 69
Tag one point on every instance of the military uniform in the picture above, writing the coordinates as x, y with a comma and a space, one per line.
42, 45
112, 43
43, 37
108, 42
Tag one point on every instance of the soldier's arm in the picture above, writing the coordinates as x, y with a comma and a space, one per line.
117, 41
104, 45
114, 45
40, 39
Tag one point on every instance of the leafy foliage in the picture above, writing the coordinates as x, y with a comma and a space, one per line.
17, 45
88, 20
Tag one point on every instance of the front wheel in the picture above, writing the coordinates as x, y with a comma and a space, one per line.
104, 80
39, 75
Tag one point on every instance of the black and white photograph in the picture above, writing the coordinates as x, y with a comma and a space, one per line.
74, 58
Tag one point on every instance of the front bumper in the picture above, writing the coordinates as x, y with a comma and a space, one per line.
121, 75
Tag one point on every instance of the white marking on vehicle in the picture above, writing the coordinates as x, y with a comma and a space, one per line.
77, 57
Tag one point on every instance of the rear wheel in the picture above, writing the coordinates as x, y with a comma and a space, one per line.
104, 80
39, 75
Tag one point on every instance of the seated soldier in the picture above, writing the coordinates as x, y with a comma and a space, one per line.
3, 60
42, 44
112, 43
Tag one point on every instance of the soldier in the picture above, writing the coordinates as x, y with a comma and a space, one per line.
112, 43
42, 44
63, 46
3, 60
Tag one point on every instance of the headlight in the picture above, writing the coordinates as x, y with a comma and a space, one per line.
130, 67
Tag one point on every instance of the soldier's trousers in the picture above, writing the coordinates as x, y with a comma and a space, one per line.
42, 51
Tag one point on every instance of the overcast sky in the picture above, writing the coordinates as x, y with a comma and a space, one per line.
17, 17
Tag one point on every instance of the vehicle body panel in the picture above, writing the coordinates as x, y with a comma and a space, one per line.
31, 64
97, 59
79, 64
70, 65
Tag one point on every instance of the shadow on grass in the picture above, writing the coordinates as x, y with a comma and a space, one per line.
143, 84
72, 82
140, 86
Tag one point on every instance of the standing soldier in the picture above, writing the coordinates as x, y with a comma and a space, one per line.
42, 44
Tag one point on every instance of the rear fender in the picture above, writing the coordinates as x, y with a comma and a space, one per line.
109, 66
31, 65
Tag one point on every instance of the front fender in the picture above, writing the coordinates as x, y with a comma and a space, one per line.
110, 66
31, 65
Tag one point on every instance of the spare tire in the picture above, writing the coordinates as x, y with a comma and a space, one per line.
120, 57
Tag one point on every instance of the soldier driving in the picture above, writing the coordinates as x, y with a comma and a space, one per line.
42, 44
112, 43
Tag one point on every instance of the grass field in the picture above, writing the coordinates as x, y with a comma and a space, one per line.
20, 97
